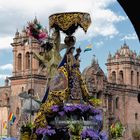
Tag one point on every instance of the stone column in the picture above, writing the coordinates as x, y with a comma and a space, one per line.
14, 61
109, 74
117, 77
127, 75
135, 78
23, 59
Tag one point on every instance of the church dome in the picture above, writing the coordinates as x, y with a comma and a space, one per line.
93, 69
125, 51
95, 78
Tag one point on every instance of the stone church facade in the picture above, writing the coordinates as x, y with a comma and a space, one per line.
4, 105
118, 90
25, 77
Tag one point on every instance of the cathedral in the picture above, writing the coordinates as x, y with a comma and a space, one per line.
118, 90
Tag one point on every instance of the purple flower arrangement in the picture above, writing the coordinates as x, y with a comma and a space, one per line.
98, 118
89, 133
61, 113
77, 109
93, 135
55, 108
103, 135
49, 131
75, 112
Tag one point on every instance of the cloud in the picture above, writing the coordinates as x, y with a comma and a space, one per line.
6, 67
5, 42
132, 36
15, 15
100, 43
103, 21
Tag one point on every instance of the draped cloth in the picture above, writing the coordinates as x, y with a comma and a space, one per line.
56, 94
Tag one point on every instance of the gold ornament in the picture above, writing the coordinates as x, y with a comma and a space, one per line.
69, 22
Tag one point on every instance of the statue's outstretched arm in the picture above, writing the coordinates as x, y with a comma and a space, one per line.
38, 56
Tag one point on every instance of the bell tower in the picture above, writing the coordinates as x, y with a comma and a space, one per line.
25, 73
124, 67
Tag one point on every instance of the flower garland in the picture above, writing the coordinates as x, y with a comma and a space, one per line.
36, 31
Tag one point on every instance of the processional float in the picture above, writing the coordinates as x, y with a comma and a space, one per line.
67, 112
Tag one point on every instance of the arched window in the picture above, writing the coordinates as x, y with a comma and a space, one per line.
22, 89
132, 78
27, 60
8, 99
110, 104
99, 95
137, 79
121, 77
114, 77
136, 116
17, 111
117, 102
0, 102
19, 63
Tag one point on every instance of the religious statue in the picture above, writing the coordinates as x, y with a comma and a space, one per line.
66, 83
66, 86
78, 90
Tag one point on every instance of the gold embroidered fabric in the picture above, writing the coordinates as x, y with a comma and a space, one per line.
69, 22
54, 98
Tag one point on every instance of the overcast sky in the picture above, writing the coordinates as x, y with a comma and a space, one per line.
110, 27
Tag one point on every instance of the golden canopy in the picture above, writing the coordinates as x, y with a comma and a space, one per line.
68, 22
